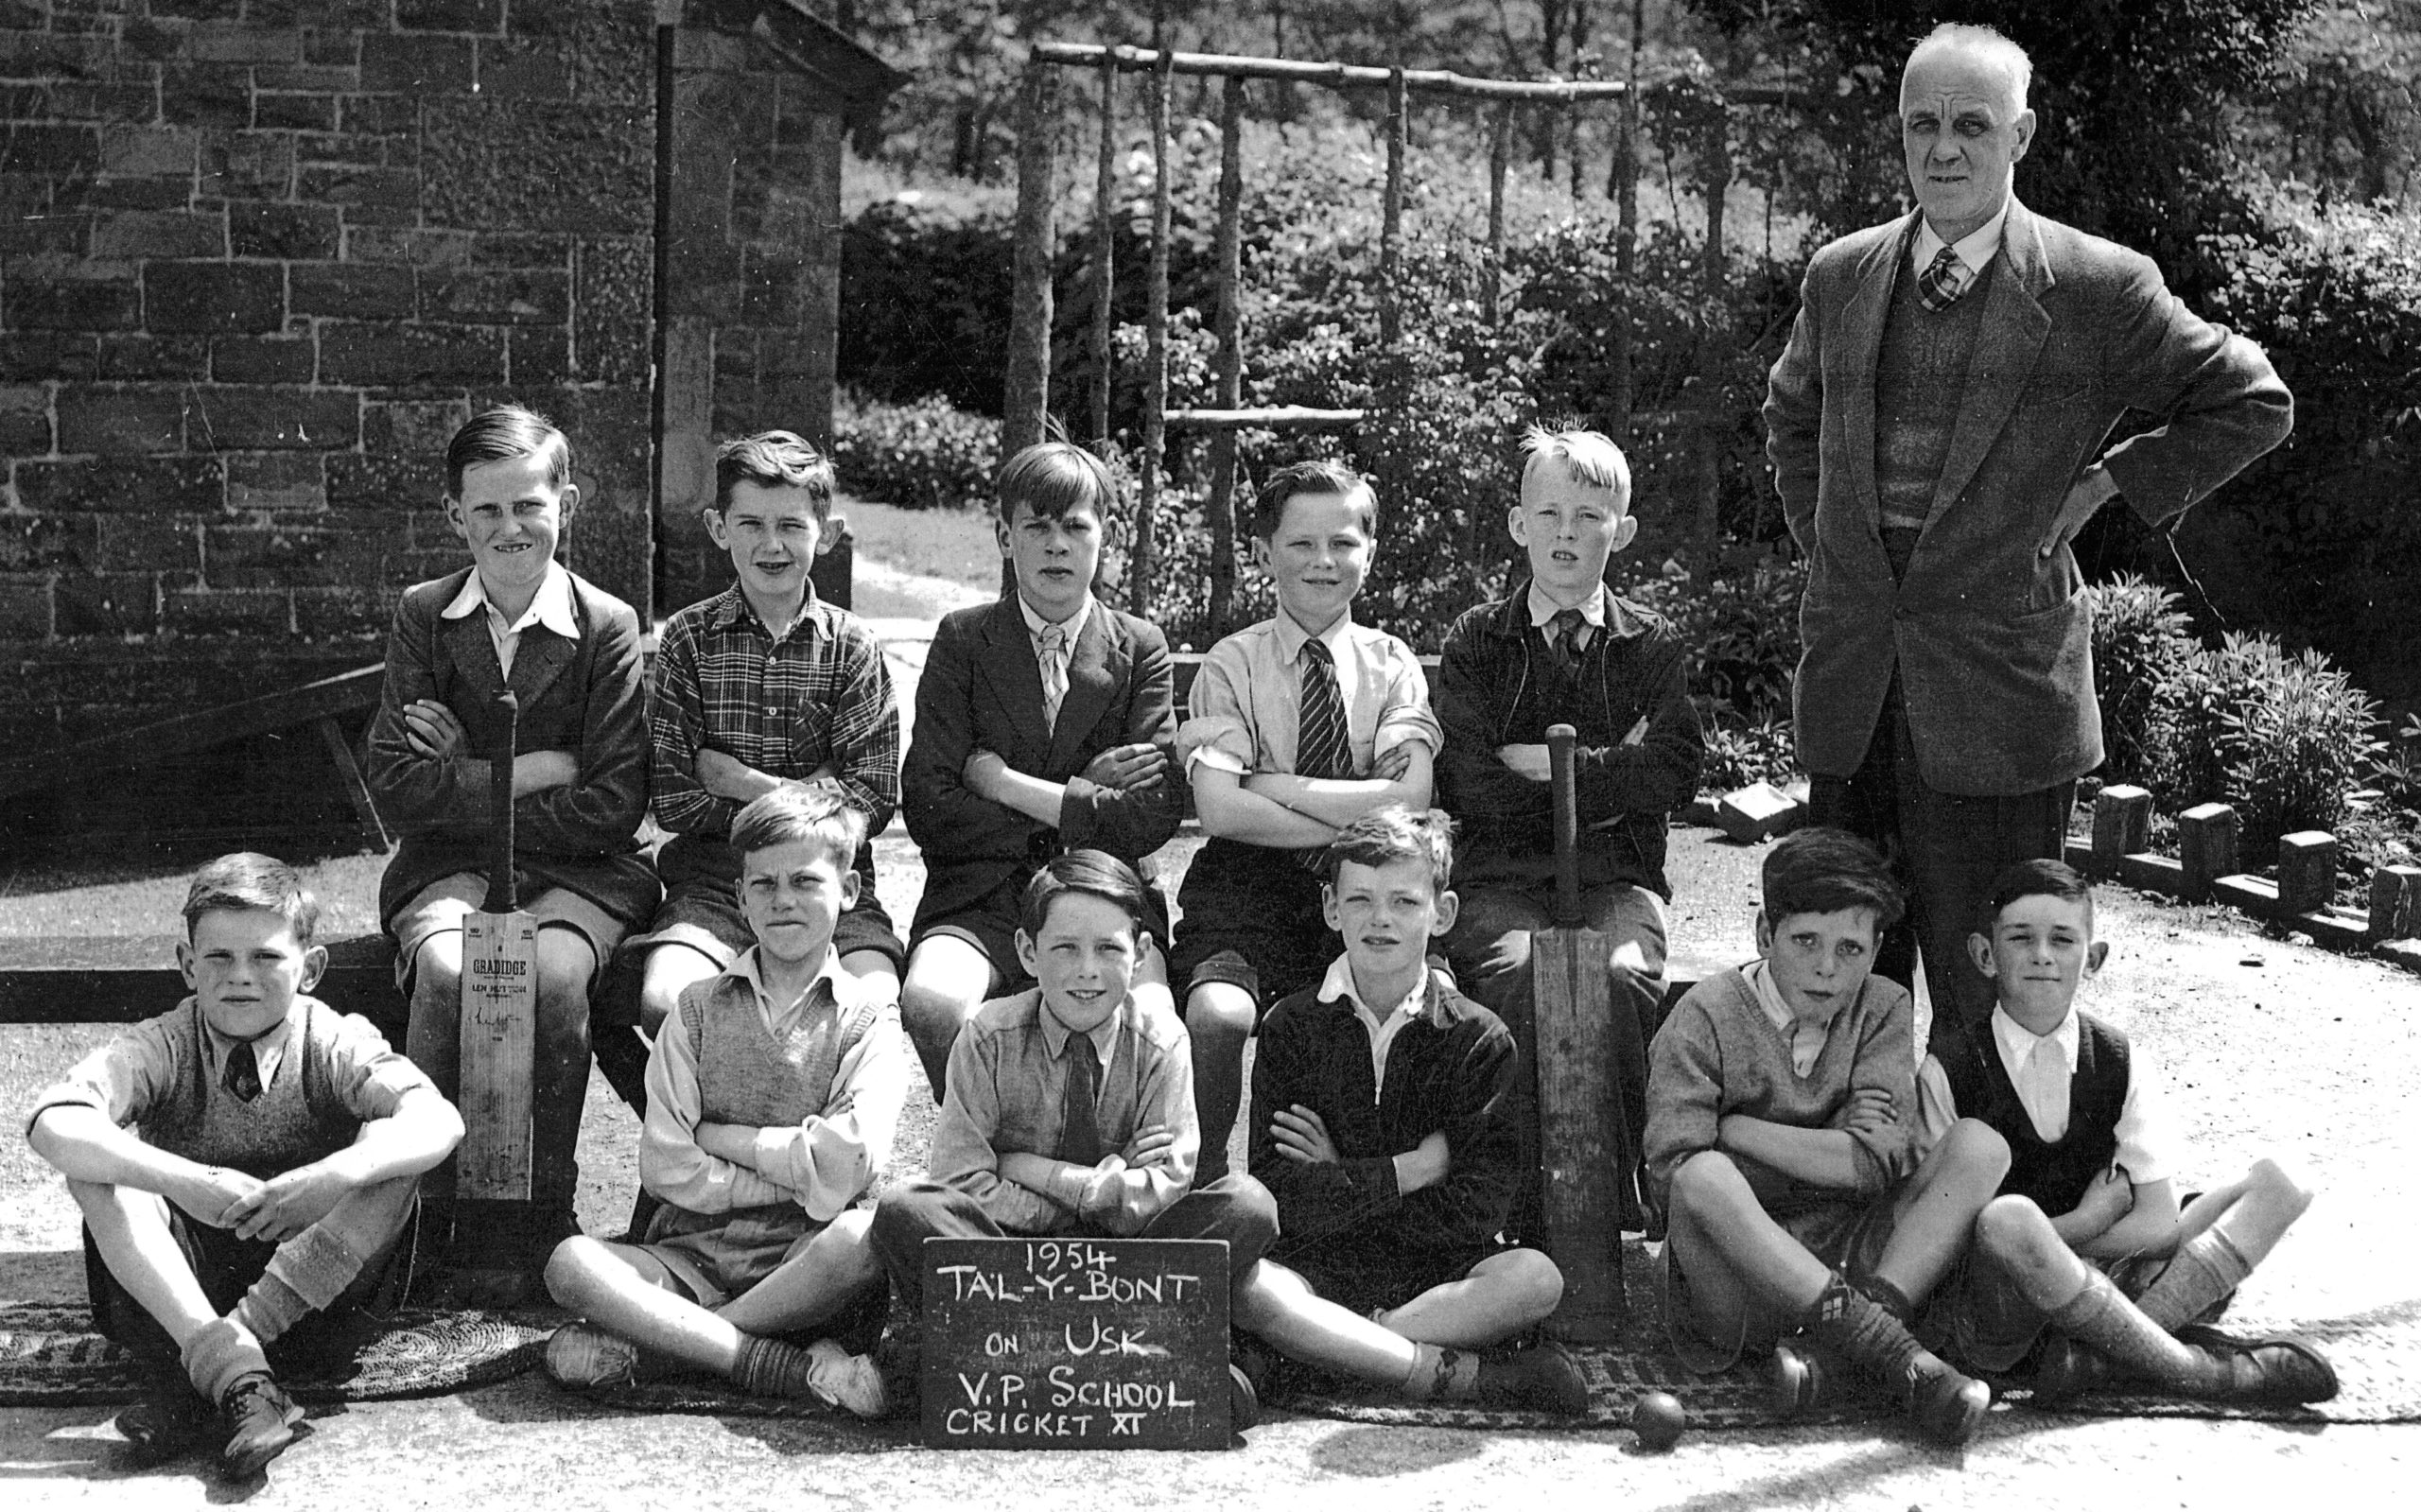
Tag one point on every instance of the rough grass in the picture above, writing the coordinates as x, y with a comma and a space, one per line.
957, 546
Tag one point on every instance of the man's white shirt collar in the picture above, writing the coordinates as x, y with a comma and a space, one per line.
833, 979
550, 606
2016, 1042
1543, 609
1976, 249
1074, 624
1381, 1023
1291, 635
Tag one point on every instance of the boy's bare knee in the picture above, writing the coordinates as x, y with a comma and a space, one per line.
1222, 1017
2011, 1230
1975, 1148
1699, 1182
1535, 1284
572, 1268
2274, 1184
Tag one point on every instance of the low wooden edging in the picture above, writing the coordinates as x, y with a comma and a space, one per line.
2205, 871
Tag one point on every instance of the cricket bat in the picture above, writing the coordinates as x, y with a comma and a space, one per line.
499, 1007
1581, 1157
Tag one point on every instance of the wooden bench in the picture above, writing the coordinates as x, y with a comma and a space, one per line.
121, 979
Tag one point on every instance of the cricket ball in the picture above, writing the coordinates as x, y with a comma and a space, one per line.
1658, 1418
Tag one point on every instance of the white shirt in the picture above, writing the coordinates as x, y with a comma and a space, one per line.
1383, 1023
1976, 249
1806, 1040
1074, 624
1544, 609
269, 1051
2144, 1139
550, 606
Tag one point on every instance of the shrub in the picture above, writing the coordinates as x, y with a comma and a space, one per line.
2213, 683
1739, 635
1739, 753
2297, 747
2141, 643
922, 455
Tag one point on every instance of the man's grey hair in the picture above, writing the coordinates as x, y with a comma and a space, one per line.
1986, 43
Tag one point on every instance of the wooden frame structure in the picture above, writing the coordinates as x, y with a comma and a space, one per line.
1029, 361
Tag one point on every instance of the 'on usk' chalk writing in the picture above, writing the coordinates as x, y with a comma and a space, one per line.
1085, 1343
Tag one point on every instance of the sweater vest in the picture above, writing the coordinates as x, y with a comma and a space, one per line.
1920, 377
747, 1074
2054, 1173
298, 1117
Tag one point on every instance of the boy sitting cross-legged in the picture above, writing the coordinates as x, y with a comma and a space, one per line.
2085, 1248
1382, 1123
1780, 1096
1299, 725
1044, 724
246, 1165
761, 685
1070, 1108
774, 1092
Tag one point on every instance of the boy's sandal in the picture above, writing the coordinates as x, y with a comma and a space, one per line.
2290, 1371
169, 1422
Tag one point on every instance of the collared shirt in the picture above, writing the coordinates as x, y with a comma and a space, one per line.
1074, 624
550, 606
1976, 250
2144, 1139
822, 1162
1384, 1023
819, 695
1246, 709
1007, 1095
1544, 609
1805, 1038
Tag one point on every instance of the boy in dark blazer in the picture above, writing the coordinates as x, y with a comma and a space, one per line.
514, 618
1044, 724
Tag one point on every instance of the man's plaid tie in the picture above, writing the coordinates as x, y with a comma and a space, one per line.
1051, 649
243, 1074
1944, 279
1323, 747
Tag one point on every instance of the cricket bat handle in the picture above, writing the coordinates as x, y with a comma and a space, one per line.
1560, 740
504, 895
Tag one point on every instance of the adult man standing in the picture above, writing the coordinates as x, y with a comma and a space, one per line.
1935, 428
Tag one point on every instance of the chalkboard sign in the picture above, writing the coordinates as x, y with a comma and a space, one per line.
1076, 1344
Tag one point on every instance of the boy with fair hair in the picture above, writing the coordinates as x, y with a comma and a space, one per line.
246, 1165
774, 1092
762, 684
1070, 1108
514, 618
1778, 1146
1044, 724
1562, 647
1381, 1124
2087, 1249
1298, 726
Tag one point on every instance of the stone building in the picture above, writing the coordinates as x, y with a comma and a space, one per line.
259, 257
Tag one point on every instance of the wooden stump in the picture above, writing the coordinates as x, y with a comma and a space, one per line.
2306, 871
2395, 902
2122, 825
2206, 847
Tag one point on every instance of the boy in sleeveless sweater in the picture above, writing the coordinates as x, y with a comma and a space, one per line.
774, 1092
2086, 1248
246, 1165
1778, 1146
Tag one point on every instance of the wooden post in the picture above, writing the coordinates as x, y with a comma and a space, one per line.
1228, 366
2122, 825
2306, 871
1391, 220
1156, 352
1627, 231
1499, 153
1105, 233
2205, 847
1028, 395
1717, 177
2396, 903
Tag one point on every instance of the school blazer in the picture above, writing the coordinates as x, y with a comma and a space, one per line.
982, 687
586, 696
1989, 631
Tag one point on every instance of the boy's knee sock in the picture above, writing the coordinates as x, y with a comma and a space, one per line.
1443, 1374
1865, 1329
2205, 1269
2102, 1317
306, 1275
221, 1353
768, 1367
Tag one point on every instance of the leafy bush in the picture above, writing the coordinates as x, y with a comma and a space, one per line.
1739, 753
921, 455
2141, 643
2298, 747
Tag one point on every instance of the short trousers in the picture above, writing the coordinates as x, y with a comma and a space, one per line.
719, 1256
1368, 1277
1847, 1236
438, 909
1978, 1317
1252, 919
704, 915
990, 924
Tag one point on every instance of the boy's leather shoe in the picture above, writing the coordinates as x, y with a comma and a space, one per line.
1948, 1407
1547, 1378
1243, 1399
852, 1383
2065, 1368
580, 1355
260, 1417
172, 1419
1801, 1380
2283, 1369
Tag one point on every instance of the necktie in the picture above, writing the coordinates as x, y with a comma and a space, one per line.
2045, 1089
1564, 637
1322, 746
1051, 644
1944, 279
243, 1074
1080, 1124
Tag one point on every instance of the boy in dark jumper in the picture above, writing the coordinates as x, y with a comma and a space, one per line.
2116, 1285
1779, 1100
1563, 649
246, 1165
1381, 1125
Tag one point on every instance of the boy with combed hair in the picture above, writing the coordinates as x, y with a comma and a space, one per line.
246, 1164
1298, 726
762, 684
1071, 1109
1565, 649
514, 618
2085, 1248
1778, 1145
774, 1092
1382, 1124
1044, 724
